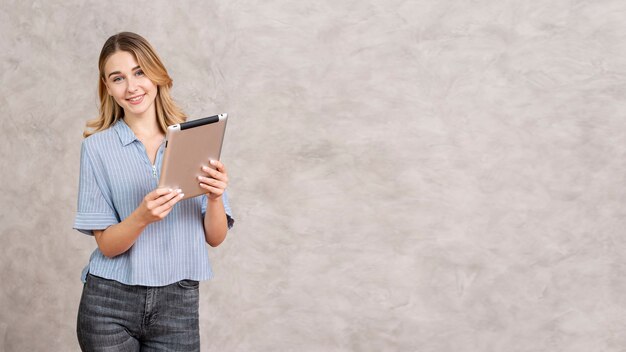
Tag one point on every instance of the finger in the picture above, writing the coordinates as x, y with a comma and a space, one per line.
218, 165
213, 190
212, 182
165, 198
158, 193
215, 174
165, 213
167, 206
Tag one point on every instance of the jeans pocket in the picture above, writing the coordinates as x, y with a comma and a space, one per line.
189, 284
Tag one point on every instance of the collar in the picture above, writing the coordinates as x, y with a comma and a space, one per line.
127, 136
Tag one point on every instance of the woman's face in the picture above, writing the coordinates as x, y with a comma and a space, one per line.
128, 85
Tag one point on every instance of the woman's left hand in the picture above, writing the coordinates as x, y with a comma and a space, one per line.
214, 181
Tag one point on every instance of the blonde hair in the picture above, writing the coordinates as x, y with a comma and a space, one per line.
167, 112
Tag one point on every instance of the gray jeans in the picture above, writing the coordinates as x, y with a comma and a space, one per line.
117, 317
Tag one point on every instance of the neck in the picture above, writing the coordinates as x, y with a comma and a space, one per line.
144, 125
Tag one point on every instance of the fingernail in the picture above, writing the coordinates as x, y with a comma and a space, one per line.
212, 162
182, 195
179, 190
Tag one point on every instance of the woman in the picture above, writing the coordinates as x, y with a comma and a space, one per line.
141, 283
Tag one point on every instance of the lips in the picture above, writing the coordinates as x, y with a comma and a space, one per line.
136, 100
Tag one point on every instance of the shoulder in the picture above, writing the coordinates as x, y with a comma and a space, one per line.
100, 147
99, 141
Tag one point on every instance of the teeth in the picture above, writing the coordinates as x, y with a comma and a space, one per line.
136, 99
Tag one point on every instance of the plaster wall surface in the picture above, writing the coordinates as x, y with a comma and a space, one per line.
425, 175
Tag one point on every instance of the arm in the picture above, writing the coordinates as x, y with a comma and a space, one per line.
118, 238
215, 224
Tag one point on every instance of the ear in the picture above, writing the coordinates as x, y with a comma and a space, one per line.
106, 85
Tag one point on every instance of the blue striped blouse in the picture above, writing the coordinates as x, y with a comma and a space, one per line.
115, 176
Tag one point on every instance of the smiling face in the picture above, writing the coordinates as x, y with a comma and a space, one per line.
126, 82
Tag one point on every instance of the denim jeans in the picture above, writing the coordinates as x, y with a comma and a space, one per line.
117, 317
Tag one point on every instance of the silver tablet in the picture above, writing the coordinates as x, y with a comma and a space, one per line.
189, 146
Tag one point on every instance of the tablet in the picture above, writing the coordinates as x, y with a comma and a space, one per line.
189, 146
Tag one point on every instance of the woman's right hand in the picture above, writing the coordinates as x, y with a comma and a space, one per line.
118, 238
157, 204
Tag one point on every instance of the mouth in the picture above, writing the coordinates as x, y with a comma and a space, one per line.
136, 100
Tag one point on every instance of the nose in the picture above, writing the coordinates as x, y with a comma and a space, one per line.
132, 85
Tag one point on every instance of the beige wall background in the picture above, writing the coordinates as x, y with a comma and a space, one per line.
406, 175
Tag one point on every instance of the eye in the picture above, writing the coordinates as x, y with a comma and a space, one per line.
139, 73
117, 79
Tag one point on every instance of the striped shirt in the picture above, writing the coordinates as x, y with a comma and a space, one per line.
115, 176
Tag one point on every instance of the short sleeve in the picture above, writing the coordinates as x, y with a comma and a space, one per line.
229, 214
95, 209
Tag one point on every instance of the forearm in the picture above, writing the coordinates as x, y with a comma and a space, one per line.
118, 238
215, 223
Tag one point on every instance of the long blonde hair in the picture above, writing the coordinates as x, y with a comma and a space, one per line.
167, 112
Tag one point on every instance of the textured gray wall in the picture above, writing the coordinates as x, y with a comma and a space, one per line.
406, 175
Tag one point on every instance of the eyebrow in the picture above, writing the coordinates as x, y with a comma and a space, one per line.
118, 72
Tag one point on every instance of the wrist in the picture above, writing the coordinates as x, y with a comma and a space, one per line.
138, 221
211, 199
